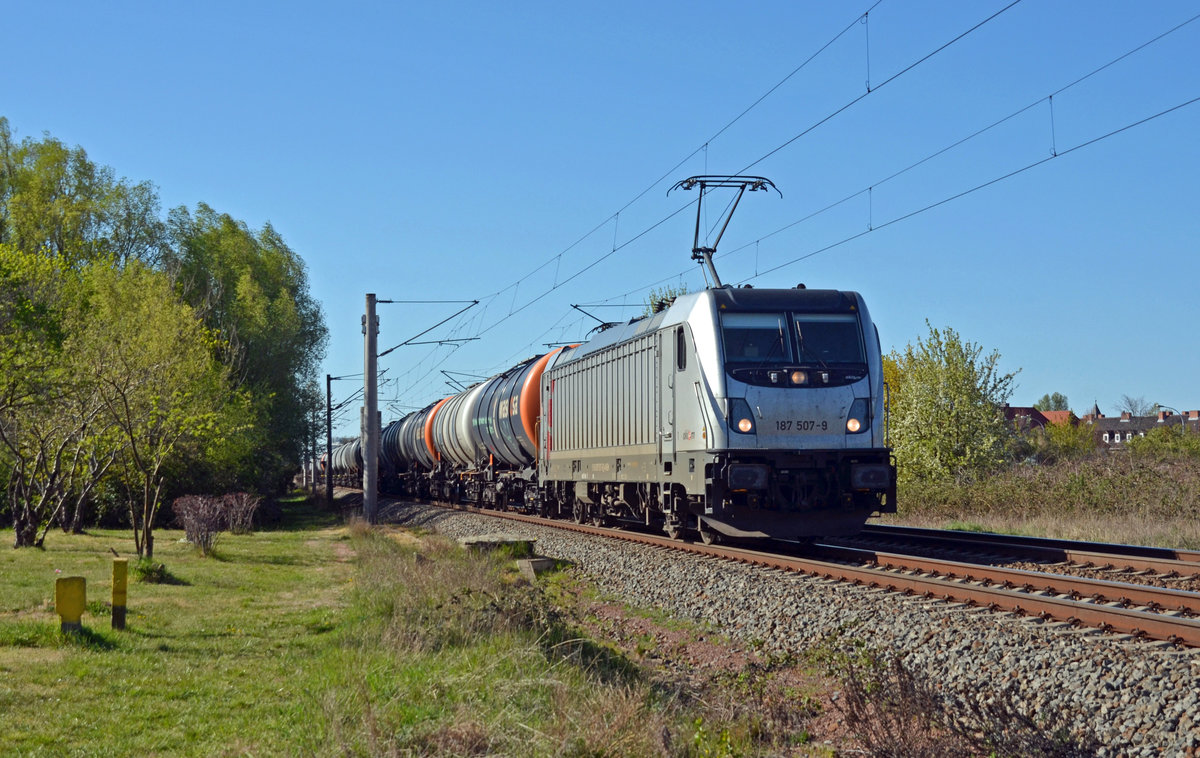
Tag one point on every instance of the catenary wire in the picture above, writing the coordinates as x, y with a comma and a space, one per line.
931, 156
557, 259
978, 187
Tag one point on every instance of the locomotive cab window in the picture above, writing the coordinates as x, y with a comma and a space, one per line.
680, 350
829, 338
752, 338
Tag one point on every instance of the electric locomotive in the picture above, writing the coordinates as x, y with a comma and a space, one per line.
734, 412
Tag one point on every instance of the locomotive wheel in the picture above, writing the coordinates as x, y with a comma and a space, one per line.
708, 535
579, 512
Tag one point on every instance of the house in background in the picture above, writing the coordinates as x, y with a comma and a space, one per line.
1113, 431
1032, 418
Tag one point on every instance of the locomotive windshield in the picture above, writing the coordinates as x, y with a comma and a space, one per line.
826, 338
814, 339
756, 338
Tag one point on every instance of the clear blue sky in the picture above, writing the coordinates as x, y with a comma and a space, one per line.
448, 150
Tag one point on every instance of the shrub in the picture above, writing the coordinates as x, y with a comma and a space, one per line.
150, 571
1166, 442
205, 516
239, 511
202, 517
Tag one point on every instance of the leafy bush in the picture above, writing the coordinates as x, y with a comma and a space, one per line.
150, 572
1159, 487
1052, 443
1166, 442
946, 397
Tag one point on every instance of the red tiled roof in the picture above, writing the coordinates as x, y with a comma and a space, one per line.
1059, 417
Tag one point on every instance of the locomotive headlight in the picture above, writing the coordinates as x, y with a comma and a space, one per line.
740, 417
799, 377
858, 420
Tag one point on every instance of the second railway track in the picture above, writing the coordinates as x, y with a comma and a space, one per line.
1166, 562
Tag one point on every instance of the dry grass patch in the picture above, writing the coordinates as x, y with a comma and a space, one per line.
468, 658
1107, 497
895, 712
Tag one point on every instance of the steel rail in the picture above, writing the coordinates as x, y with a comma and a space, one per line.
1184, 631
1095, 554
1074, 587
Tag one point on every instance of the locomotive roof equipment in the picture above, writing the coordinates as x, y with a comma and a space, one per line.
743, 183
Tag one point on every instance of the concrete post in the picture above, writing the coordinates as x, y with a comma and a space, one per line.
120, 593
70, 598
370, 420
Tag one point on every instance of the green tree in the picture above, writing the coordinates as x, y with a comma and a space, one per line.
1071, 440
8, 167
31, 377
662, 297
1053, 442
251, 289
153, 368
946, 413
55, 200
55, 441
239, 417
891, 377
1052, 402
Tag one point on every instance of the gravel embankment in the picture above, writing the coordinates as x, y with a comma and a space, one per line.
1140, 699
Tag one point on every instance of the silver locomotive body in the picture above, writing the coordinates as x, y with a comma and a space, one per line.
743, 412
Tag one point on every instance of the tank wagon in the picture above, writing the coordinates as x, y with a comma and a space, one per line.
347, 464
737, 412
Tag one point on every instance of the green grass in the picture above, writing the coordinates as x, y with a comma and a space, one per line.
223, 662
319, 639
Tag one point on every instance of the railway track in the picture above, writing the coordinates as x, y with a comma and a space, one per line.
1136, 610
1003, 548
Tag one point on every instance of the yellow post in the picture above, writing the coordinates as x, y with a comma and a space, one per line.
70, 597
120, 593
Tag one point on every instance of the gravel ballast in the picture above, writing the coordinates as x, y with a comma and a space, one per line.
1138, 698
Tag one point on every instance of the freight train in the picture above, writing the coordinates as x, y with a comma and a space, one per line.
732, 412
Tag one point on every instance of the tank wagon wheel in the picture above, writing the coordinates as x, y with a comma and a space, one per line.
708, 535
